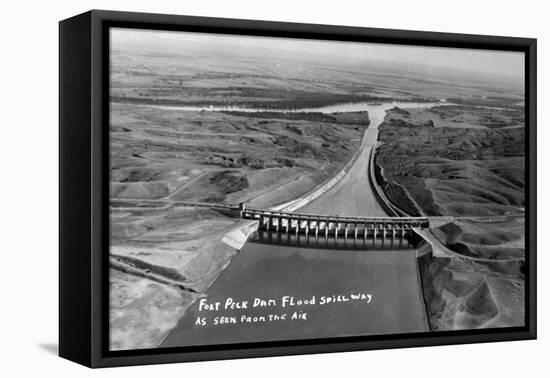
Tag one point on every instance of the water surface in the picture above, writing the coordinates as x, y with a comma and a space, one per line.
272, 271
343, 107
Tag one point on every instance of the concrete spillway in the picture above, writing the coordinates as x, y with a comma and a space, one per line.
352, 195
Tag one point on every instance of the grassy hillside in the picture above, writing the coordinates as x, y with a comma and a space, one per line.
467, 162
454, 171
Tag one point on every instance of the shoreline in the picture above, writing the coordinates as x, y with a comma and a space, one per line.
282, 107
207, 107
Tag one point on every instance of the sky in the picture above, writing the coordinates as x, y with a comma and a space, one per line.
505, 64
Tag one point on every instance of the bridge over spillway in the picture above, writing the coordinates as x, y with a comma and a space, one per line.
316, 229
337, 231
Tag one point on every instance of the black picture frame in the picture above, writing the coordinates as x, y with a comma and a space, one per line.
83, 181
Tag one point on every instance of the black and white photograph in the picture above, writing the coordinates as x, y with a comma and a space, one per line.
302, 189
269, 189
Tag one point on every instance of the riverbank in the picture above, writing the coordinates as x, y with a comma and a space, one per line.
469, 164
462, 293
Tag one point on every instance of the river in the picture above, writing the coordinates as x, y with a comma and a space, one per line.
274, 271
343, 107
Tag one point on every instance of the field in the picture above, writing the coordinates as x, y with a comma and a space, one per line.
467, 162
458, 171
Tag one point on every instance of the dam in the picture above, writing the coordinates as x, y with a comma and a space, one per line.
339, 242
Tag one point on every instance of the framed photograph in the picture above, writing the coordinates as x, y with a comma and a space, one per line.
233, 188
